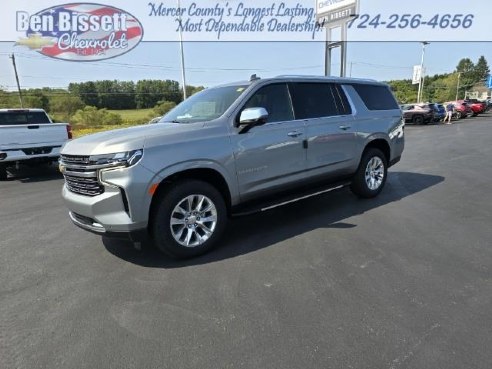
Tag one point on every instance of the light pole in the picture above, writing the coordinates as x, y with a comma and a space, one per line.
458, 86
422, 74
183, 73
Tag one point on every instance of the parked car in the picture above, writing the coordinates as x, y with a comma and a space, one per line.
478, 107
461, 109
233, 149
441, 112
29, 136
419, 113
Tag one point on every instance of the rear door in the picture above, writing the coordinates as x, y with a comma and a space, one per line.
271, 155
330, 130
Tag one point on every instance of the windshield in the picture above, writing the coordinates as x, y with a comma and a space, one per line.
10, 118
205, 106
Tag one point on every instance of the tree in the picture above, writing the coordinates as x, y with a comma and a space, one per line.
65, 105
466, 68
87, 92
163, 107
91, 116
482, 69
404, 91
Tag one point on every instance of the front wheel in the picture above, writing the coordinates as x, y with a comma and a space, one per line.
189, 219
370, 178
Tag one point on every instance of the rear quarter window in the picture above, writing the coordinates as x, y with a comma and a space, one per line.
12, 118
376, 97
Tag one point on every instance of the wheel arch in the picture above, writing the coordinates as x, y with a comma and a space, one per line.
381, 144
209, 175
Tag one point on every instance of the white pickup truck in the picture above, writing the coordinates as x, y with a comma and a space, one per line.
29, 136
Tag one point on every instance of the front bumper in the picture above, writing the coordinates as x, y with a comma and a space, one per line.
88, 224
121, 209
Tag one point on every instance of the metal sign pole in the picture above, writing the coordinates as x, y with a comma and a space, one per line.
328, 49
343, 62
336, 15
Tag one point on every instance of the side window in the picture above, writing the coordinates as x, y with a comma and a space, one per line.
376, 97
313, 100
343, 104
275, 99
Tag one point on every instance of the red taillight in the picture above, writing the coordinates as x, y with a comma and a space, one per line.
69, 131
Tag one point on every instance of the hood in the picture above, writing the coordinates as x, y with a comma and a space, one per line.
119, 140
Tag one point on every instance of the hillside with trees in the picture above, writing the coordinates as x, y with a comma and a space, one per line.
97, 103
444, 87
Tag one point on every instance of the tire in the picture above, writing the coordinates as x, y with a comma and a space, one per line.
458, 115
186, 203
418, 119
3, 172
370, 178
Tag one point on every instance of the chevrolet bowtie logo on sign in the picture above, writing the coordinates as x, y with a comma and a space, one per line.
79, 32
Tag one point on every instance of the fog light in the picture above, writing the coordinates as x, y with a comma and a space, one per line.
3, 156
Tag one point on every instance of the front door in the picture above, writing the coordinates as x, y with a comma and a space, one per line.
272, 155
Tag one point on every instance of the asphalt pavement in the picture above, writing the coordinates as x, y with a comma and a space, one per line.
401, 281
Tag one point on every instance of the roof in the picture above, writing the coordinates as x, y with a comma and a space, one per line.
342, 80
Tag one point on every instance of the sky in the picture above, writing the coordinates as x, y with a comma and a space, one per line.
212, 63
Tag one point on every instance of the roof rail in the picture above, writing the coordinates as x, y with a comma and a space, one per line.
253, 78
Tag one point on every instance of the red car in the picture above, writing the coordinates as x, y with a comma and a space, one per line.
478, 107
461, 109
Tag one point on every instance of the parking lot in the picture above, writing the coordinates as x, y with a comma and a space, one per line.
401, 281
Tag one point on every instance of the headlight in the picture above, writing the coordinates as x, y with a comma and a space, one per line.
120, 159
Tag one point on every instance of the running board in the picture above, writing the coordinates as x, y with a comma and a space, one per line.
270, 204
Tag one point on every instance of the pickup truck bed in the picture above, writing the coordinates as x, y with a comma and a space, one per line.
29, 136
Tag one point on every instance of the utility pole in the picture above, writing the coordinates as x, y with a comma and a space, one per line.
458, 86
17, 79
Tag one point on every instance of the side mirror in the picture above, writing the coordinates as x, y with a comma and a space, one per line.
252, 117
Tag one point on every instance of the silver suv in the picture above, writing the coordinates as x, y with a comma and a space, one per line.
232, 149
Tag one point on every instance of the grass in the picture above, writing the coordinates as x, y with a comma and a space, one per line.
135, 116
130, 118
83, 131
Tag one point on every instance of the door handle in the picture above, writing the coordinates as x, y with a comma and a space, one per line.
294, 134
344, 128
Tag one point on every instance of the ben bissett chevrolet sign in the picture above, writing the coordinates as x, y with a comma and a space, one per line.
79, 31
334, 11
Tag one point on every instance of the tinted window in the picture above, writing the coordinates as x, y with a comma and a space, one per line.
344, 107
10, 118
313, 100
376, 97
275, 99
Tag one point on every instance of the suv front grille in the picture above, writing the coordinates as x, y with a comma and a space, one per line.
84, 186
80, 176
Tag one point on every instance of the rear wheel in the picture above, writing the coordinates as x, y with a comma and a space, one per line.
370, 178
189, 219
459, 115
418, 119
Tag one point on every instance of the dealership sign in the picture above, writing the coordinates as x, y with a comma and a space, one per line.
79, 31
334, 11
91, 32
